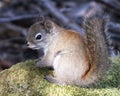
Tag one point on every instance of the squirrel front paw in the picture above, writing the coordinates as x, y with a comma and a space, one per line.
40, 64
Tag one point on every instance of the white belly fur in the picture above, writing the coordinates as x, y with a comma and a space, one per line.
55, 65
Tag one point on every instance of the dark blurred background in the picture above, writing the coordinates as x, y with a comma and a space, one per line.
16, 16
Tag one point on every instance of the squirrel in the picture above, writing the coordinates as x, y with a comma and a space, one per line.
76, 60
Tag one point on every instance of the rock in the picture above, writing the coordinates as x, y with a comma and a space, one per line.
24, 79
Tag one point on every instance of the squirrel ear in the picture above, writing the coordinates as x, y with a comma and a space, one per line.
39, 18
48, 25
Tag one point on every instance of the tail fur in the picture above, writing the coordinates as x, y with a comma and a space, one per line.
95, 27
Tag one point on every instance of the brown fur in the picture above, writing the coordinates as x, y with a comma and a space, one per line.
75, 60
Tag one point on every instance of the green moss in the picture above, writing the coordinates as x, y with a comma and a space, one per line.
24, 79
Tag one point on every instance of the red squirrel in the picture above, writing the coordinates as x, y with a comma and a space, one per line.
76, 60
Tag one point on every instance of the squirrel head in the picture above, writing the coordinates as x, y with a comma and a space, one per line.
39, 34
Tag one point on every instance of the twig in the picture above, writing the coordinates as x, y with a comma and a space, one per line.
114, 31
16, 28
114, 28
113, 4
18, 18
37, 8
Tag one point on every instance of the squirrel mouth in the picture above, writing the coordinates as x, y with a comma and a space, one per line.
32, 46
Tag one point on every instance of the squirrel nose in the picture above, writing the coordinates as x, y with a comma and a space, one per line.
28, 43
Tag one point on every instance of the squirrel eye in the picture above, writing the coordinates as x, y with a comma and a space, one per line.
38, 36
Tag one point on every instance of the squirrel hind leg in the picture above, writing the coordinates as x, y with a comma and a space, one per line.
54, 80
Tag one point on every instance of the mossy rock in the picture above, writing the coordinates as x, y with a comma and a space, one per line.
24, 79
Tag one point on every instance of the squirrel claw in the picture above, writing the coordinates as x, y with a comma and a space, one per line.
52, 79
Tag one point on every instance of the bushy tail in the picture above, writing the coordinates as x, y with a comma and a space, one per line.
95, 27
